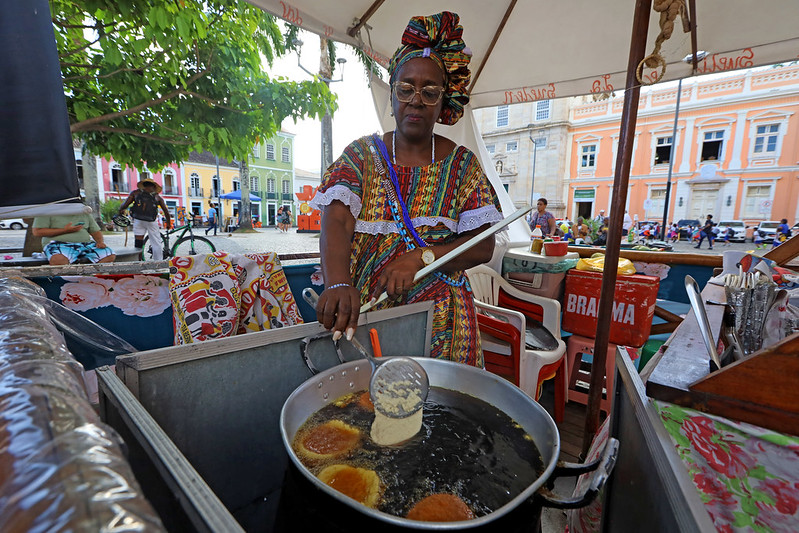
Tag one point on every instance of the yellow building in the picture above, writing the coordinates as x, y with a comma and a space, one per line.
207, 178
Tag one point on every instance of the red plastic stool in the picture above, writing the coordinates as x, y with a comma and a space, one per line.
576, 346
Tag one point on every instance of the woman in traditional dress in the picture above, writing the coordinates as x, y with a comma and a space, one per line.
394, 203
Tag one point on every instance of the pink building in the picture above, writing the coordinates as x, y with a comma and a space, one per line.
735, 154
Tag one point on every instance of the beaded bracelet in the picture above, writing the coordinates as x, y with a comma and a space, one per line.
337, 285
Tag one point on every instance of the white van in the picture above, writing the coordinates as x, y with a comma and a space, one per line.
768, 229
738, 227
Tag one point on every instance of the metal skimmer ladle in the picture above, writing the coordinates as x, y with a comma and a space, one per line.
399, 385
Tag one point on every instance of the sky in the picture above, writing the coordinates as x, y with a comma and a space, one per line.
355, 116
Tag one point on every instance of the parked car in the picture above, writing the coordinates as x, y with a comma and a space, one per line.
738, 228
12, 223
682, 226
767, 229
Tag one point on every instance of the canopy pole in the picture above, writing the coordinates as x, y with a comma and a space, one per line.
618, 202
365, 18
494, 40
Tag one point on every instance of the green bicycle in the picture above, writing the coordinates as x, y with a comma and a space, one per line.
190, 244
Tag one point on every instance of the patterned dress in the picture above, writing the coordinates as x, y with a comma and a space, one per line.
448, 197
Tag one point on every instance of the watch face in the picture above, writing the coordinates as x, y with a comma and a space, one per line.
428, 257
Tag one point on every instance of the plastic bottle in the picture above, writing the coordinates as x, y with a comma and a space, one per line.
537, 238
543, 247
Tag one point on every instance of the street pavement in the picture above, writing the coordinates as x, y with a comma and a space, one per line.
274, 240
263, 240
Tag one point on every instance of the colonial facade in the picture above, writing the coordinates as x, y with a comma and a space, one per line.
735, 154
526, 144
272, 176
190, 186
206, 179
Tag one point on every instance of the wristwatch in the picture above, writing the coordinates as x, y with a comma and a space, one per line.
428, 256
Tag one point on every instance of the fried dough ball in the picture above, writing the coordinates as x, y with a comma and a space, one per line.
441, 507
329, 440
358, 483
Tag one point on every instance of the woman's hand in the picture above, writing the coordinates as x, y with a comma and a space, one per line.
397, 278
338, 309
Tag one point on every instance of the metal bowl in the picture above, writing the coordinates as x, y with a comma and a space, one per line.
346, 378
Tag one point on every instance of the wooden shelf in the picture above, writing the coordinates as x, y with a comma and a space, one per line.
762, 389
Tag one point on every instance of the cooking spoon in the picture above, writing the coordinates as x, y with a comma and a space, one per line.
398, 386
452, 254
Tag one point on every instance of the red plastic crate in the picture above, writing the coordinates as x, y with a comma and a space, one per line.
633, 306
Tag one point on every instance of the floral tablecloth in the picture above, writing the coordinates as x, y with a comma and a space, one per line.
126, 304
747, 476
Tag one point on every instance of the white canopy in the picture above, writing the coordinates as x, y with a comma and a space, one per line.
549, 49
526, 50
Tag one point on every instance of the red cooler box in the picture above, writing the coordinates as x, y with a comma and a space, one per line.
633, 306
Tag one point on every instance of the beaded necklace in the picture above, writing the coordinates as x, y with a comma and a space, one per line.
396, 203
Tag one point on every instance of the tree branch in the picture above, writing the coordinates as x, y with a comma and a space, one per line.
211, 101
128, 131
86, 124
79, 65
103, 35
80, 26
117, 71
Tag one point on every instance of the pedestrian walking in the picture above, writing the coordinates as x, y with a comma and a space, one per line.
707, 231
728, 233
286, 219
212, 218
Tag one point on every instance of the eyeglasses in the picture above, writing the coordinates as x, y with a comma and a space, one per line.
430, 94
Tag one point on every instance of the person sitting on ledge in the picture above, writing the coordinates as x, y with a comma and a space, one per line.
68, 238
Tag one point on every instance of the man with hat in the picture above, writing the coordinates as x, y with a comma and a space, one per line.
600, 217
145, 200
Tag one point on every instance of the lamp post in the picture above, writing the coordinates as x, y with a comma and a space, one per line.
219, 183
671, 162
701, 54
535, 142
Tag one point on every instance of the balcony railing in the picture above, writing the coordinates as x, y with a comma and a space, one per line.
196, 191
120, 187
172, 191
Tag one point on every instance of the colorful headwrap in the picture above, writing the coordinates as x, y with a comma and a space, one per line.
438, 37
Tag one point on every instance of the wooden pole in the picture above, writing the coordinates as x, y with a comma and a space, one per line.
617, 205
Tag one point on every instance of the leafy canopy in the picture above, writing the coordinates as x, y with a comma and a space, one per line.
153, 80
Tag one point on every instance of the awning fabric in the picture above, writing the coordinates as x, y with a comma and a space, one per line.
553, 49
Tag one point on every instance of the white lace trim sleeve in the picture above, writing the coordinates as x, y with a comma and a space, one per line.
340, 193
385, 227
469, 220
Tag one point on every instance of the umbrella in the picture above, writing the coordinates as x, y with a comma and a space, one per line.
525, 50
236, 195
528, 50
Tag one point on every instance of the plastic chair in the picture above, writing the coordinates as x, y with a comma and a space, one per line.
502, 314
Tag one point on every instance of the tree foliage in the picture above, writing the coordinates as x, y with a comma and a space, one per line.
153, 80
